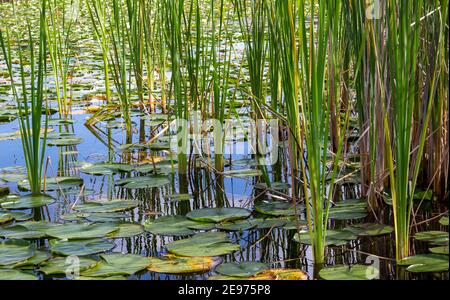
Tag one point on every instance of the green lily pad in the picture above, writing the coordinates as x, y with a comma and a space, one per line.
13, 252
216, 215
16, 275
145, 182
439, 238
243, 269
343, 272
12, 177
203, 244
127, 230
348, 210
370, 229
81, 231
439, 250
20, 232
172, 264
18, 215
444, 221
117, 264
424, 263
277, 186
269, 222
239, 225
170, 226
28, 201
55, 183
116, 205
276, 208
106, 168
333, 238
5, 218
107, 217
81, 247
38, 258
68, 141
243, 173
62, 265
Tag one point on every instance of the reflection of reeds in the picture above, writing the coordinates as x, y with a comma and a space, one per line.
31, 102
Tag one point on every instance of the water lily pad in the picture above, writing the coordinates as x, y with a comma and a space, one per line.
203, 244
13, 252
80, 248
20, 232
116, 205
170, 226
117, 264
218, 214
16, 275
172, 264
439, 250
145, 182
106, 168
277, 186
334, 237
243, 269
348, 210
239, 225
370, 229
271, 274
127, 230
28, 201
81, 231
355, 272
243, 173
12, 177
68, 141
424, 263
55, 183
444, 221
63, 265
5, 218
38, 258
107, 217
439, 238
18, 215
276, 208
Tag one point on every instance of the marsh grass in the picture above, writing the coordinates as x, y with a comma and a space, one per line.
31, 101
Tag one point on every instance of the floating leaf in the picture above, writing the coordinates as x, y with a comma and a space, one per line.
439, 250
28, 201
348, 210
106, 168
68, 141
127, 230
55, 183
203, 244
170, 226
271, 274
172, 264
423, 263
444, 221
243, 173
243, 269
64, 265
333, 237
16, 275
144, 182
239, 225
81, 231
355, 272
276, 208
18, 215
5, 218
116, 205
277, 186
38, 258
117, 264
439, 238
20, 232
13, 252
80, 248
217, 215
370, 229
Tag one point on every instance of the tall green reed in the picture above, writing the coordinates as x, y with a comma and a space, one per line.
30, 96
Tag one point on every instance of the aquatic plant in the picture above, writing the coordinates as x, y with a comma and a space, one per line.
31, 101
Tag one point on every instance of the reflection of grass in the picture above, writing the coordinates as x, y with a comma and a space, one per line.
30, 101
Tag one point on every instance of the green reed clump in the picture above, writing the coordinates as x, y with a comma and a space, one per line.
30, 96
